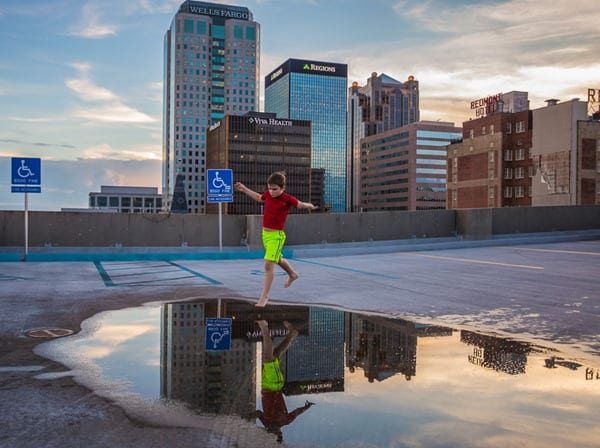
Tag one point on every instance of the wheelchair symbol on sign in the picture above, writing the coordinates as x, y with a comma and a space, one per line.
24, 171
216, 338
218, 182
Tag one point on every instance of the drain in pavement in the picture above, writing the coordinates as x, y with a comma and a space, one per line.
47, 333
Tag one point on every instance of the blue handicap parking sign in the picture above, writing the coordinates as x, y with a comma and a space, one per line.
26, 175
218, 333
26, 171
220, 185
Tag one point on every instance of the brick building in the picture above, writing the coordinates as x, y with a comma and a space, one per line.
492, 165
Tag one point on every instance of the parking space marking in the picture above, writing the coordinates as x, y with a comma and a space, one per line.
556, 251
141, 274
470, 260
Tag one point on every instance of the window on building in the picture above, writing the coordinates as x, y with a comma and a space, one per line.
492, 129
102, 201
520, 127
483, 130
188, 26
508, 128
471, 133
519, 172
113, 201
508, 191
508, 155
508, 173
238, 32
519, 191
520, 154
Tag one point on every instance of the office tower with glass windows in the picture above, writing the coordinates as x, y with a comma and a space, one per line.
381, 105
316, 91
211, 68
405, 168
254, 146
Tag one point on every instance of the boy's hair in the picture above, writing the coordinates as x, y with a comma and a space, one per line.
277, 178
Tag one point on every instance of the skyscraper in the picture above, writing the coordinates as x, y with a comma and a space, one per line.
211, 68
380, 106
316, 91
405, 168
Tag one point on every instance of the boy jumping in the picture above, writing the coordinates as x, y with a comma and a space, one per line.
277, 205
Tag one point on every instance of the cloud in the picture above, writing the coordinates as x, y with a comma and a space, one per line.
139, 152
114, 112
111, 109
91, 26
21, 142
67, 183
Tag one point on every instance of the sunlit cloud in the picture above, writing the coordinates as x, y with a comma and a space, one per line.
160, 7
113, 113
113, 110
36, 119
92, 26
137, 152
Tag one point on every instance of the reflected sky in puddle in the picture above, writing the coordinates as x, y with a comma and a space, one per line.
375, 381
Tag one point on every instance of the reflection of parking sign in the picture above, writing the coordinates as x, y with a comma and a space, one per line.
220, 185
218, 333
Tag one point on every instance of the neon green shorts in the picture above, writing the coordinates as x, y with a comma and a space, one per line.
272, 378
273, 241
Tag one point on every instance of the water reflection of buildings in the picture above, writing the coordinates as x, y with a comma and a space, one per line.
315, 362
385, 347
217, 382
209, 381
503, 355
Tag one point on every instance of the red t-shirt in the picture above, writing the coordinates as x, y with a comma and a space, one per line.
276, 209
275, 413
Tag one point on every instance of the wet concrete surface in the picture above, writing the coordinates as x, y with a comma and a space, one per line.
547, 294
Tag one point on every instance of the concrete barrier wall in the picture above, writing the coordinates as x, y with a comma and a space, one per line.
81, 229
544, 219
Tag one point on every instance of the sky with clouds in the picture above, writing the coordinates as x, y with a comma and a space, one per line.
81, 81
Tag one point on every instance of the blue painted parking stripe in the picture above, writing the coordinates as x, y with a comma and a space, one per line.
110, 280
103, 274
144, 272
164, 281
197, 274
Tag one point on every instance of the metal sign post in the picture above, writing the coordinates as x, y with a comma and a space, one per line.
220, 189
26, 178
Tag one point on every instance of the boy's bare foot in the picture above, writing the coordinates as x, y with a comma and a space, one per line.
262, 302
290, 280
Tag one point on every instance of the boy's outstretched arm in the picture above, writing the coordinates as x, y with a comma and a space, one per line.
307, 205
250, 193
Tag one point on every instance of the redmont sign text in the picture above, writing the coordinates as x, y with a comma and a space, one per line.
485, 106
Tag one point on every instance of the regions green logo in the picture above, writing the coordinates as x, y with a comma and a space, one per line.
306, 67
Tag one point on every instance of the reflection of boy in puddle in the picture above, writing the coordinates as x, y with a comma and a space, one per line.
275, 414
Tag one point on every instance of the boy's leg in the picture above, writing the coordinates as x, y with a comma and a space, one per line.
287, 267
269, 275
289, 338
267, 348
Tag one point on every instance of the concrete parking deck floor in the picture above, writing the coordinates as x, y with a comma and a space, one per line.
546, 292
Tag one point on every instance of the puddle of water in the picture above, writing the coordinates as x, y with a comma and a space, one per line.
374, 381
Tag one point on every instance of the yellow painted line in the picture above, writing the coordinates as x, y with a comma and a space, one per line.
470, 260
595, 254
